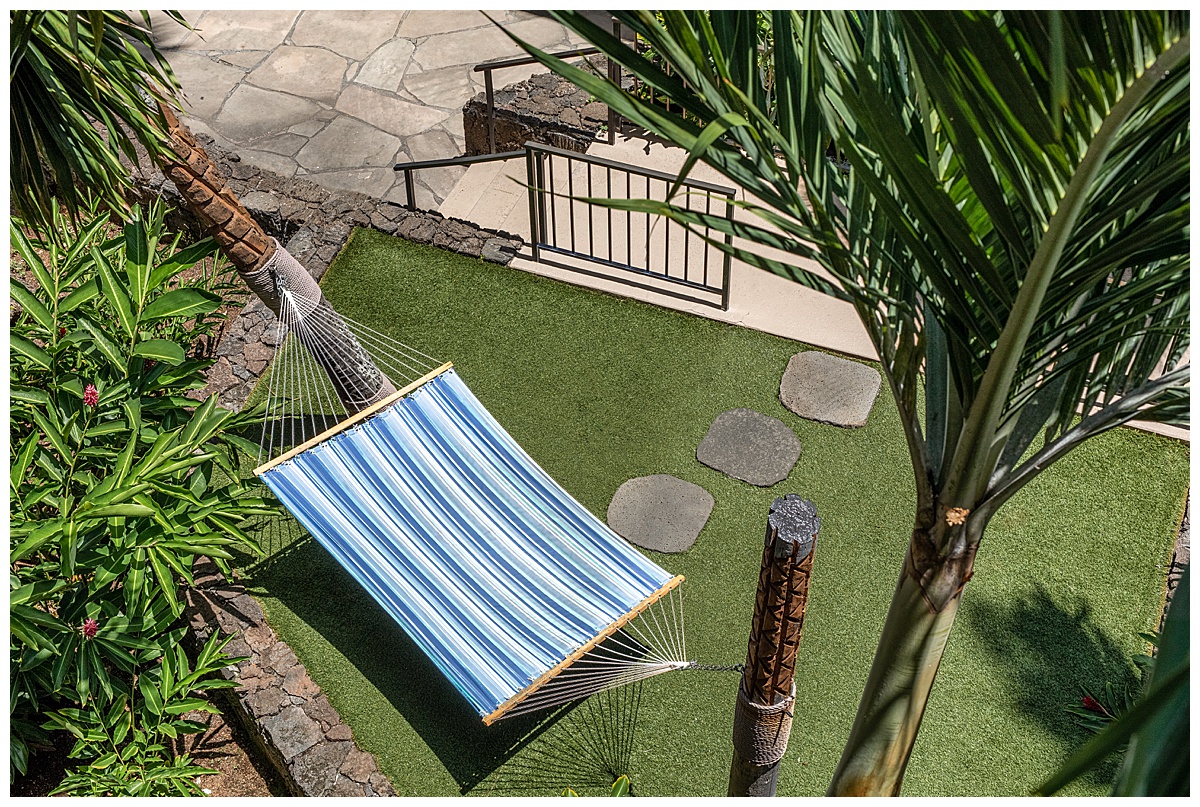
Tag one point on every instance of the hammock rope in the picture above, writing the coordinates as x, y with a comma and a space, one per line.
411, 443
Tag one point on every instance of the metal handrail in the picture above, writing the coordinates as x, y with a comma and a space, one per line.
408, 168
604, 162
517, 61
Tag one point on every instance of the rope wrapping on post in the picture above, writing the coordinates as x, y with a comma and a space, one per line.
760, 733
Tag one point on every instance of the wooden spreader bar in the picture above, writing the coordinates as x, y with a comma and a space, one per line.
546, 677
353, 419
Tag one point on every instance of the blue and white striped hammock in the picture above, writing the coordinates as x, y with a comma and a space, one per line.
520, 596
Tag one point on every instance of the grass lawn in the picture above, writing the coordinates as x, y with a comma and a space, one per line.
599, 390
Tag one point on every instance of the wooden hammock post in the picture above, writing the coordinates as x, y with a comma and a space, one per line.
763, 718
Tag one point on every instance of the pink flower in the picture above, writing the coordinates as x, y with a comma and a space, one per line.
90, 396
1092, 705
90, 626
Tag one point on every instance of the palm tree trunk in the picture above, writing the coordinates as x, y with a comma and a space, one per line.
910, 650
272, 274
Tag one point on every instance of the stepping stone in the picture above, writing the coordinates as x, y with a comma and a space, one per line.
750, 446
821, 387
659, 512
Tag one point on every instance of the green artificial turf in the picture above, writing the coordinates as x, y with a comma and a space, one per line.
599, 390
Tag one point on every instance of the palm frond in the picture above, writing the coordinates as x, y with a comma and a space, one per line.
81, 95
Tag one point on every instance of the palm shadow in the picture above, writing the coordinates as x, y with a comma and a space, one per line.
314, 587
1049, 653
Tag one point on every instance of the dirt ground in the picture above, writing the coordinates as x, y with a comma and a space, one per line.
223, 747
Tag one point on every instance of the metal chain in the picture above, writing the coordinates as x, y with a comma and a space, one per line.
716, 667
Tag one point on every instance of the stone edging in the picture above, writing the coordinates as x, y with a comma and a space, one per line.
1180, 558
544, 108
283, 710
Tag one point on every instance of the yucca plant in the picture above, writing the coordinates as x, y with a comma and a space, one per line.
81, 95
1012, 230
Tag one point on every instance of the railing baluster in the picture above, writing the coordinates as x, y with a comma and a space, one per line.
571, 199
687, 234
728, 258
628, 222
608, 194
491, 110
648, 230
553, 203
707, 246
408, 189
591, 212
666, 233
531, 181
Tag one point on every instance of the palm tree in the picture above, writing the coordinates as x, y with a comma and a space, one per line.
82, 95
1012, 230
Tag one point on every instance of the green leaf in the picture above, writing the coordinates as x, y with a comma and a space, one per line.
38, 591
86, 292
621, 786
183, 259
105, 761
31, 304
139, 248
29, 350
104, 345
160, 350
116, 510
117, 294
45, 532
29, 395
52, 433
181, 303
150, 695
24, 457
184, 705
106, 428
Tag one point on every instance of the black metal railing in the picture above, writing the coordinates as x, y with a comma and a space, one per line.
409, 168
561, 221
489, 91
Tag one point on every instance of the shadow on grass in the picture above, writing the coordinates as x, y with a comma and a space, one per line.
582, 751
1048, 652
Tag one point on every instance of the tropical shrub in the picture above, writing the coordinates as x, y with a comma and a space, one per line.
118, 481
1099, 708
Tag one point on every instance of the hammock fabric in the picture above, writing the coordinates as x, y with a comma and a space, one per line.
496, 572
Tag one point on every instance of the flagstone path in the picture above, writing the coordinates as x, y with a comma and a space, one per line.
339, 97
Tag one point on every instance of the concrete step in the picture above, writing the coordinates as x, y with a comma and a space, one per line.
492, 195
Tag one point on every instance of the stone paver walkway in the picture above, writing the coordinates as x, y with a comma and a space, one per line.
339, 97
750, 446
660, 512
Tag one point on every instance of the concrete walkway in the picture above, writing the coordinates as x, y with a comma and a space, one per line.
339, 97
